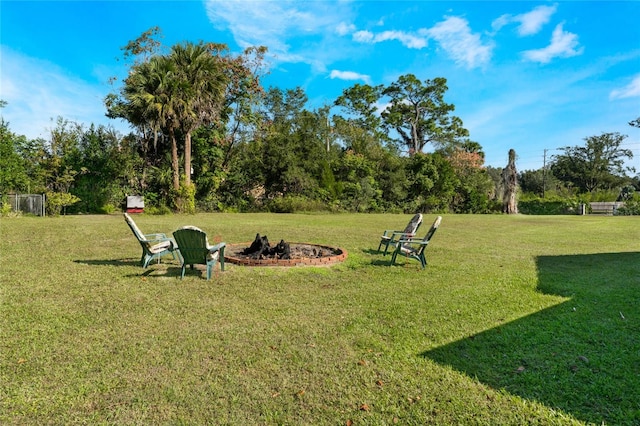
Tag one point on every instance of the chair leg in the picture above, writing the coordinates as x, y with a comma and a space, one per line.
182, 271
393, 258
384, 243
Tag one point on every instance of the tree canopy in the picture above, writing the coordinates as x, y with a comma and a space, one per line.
419, 114
206, 135
597, 165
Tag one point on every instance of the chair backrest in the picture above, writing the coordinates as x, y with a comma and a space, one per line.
134, 228
192, 243
414, 224
432, 230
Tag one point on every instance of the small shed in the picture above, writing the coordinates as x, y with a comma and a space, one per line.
135, 204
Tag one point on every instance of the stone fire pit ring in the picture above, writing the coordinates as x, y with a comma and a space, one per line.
330, 255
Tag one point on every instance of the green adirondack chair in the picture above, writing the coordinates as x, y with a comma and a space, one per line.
390, 237
154, 246
194, 249
414, 248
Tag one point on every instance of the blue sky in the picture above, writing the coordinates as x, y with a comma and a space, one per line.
532, 76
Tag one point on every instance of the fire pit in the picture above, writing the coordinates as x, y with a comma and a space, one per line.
261, 253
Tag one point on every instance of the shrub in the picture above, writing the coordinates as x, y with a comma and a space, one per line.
631, 207
58, 201
294, 203
158, 210
548, 206
107, 209
5, 208
184, 198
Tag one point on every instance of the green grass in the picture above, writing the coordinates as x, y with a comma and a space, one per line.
516, 320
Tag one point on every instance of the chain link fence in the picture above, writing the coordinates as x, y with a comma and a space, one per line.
27, 203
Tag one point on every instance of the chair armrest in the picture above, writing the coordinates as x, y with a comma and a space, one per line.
157, 236
403, 234
216, 247
418, 241
389, 233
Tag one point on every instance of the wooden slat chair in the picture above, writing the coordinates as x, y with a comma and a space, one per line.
390, 237
414, 248
194, 249
154, 246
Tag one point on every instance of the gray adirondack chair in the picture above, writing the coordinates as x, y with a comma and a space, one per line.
154, 246
413, 248
390, 237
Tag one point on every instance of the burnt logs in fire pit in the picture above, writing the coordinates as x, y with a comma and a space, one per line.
261, 249
260, 253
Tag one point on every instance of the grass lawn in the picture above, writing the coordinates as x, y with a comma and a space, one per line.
516, 320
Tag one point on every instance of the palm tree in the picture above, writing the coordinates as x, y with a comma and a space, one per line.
174, 94
152, 91
203, 83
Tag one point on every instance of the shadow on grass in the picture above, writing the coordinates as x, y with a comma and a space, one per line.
110, 262
165, 269
581, 356
169, 271
385, 260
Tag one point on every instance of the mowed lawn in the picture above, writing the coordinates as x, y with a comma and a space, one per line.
516, 320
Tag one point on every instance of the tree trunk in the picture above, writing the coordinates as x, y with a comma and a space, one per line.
510, 185
175, 165
187, 159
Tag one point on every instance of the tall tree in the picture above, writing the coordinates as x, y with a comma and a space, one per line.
202, 83
510, 185
13, 175
286, 119
433, 182
419, 114
144, 47
597, 165
150, 95
360, 127
175, 93
243, 96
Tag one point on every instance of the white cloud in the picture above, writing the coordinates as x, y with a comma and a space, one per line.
343, 28
38, 92
408, 40
349, 75
631, 90
363, 36
530, 22
275, 24
563, 45
501, 21
463, 46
